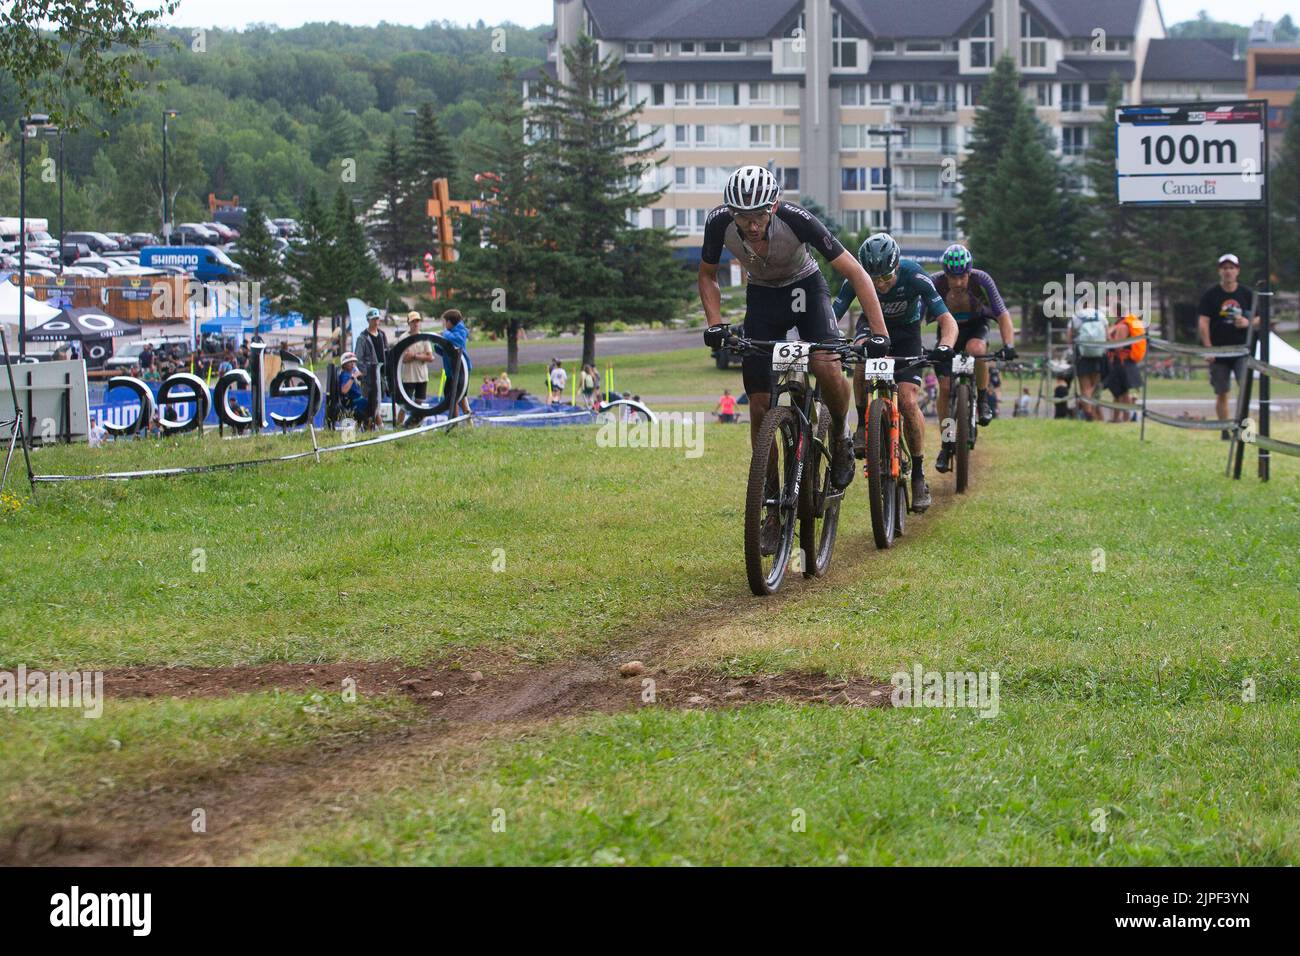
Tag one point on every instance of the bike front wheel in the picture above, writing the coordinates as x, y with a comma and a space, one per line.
819, 503
880, 475
770, 501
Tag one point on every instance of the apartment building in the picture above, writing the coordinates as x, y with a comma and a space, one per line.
805, 86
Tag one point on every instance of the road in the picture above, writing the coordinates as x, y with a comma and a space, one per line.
569, 348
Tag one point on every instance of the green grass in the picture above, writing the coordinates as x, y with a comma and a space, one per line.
393, 551
53, 761
1209, 785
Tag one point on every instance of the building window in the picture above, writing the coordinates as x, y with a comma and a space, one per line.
981, 43
1033, 42
1071, 97
924, 46
1043, 94
681, 135
656, 94
686, 46
853, 94
683, 221
1074, 140
1097, 94
723, 46
638, 48
788, 177
884, 46
844, 49
854, 136
787, 137
681, 94
853, 179
760, 94
880, 93
679, 175
658, 218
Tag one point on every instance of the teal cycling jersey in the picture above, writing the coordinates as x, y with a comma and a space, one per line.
902, 304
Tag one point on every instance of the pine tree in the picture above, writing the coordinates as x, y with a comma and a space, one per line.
261, 262
356, 273
1000, 103
311, 262
396, 222
592, 163
1110, 251
502, 246
1284, 190
337, 135
1028, 235
430, 155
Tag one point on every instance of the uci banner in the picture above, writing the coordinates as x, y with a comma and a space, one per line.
1191, 153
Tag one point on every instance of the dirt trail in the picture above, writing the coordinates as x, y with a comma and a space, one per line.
462, 702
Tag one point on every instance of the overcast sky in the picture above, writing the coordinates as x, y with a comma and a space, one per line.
291, 13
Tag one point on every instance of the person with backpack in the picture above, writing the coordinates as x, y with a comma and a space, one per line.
1087, 334
1125, 376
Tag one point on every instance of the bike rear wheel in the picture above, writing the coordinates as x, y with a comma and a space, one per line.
963, 411
772, 472
880, 479
819, 503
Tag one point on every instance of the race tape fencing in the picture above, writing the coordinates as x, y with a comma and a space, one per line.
1241, 430
232, 465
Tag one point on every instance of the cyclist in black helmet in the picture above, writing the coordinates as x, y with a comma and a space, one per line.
785, 290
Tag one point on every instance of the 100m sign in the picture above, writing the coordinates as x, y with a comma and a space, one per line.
1189, 149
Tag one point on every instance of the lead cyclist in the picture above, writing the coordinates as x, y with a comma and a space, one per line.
786, 289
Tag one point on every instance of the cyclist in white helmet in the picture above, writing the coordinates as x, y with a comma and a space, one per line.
785, 289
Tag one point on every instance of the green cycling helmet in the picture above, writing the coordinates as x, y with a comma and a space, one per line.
956, 260
879, 254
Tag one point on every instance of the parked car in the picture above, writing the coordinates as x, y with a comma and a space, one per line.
225, 232
97, 241
120, 238
288, 227
138, 240
196, 233
72, 251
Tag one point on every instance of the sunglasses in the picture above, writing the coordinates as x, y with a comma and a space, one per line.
887, 277
751, 218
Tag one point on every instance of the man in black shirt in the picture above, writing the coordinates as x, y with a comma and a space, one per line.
1227, 312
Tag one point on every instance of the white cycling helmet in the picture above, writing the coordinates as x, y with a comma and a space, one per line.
751, 188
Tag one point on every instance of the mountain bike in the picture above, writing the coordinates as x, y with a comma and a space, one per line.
888, 464
962, 425
790, 472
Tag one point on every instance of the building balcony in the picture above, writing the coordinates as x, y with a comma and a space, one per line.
790, 55
924, 155
925, 112
926, 197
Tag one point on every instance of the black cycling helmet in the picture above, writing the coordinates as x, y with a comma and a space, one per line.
879, 254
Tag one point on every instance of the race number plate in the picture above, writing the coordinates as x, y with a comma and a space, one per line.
790, 357
963, 365
878, 368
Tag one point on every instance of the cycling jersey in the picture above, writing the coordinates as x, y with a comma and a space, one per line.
981, 296
787, 258
902, 304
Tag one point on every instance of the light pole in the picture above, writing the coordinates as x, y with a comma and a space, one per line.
28, 127
889, 132
167, 221
59, 131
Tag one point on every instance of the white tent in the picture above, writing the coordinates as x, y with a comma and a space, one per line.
1281, 354
36, 310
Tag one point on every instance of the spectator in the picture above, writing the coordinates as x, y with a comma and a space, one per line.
227, 363
351, 391
1226, 316
488, 389
1086, 332
1125, 374
415, 368
370, 352
587, 382
97, 434
1061, 393
503, 384
457, 332
726, 408
245, 356
146, 357
559, 379
1022, 404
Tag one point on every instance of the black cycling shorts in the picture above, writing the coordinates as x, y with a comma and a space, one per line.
770, 314
971, 329
904, 340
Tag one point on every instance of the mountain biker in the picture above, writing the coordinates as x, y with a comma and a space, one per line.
903, 289
972, 297
785, 290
